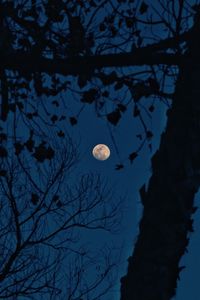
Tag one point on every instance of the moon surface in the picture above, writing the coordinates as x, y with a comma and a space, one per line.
101, 152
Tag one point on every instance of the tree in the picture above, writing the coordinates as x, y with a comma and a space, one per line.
159, 41
41, 217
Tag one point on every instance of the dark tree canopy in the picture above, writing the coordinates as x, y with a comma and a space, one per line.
88, 50
112, 55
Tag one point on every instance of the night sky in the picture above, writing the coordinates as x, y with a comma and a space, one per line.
128, 182
122, 140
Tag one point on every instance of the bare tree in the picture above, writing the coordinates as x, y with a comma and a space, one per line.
44, 210
127, 52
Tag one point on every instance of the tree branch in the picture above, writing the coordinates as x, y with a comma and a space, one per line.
24, 62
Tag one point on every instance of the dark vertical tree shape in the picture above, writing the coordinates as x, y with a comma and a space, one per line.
4, 96
168, 203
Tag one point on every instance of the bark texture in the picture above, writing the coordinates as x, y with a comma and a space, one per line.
153, 268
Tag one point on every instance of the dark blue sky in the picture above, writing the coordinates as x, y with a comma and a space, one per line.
90, 131
127, 182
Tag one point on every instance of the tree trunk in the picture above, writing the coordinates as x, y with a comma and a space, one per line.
168, 202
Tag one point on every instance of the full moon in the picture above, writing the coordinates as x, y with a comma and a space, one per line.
101, 152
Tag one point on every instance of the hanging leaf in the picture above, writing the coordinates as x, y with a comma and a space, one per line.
50, 153
29, 144
119, 167
143, 8
149, 134
89, 96
132, 156
121, 107
118, 85
151, 108
129, 22
34, 198
56, 103
18, 148
54, 118
73, 121
105, 94
55, 198
20, 105
139, 136
3, 152
113, 30
82, 81
3, 137
42, 152
136, 111
35, 113
153, 83
29, 116
61, 134
114, 117
108, 79
3, 173
139, 91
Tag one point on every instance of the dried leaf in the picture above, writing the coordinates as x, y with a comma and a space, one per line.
29, 116
61, 134
34, 198
50, 153
108, 79
149, 134
55, 198
136, 111
119, 167
132, 156
129, 22
151, 108
18, 148
73, 121
3, 137
29, 144
153, 83
139, 136
42, 152
89, 96
114, 117
105, 94
121, 107
118, 85
143, 8
3, 173
139, 90
55, 102
54, 118
3, 152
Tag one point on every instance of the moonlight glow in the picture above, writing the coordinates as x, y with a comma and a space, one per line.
101, 152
